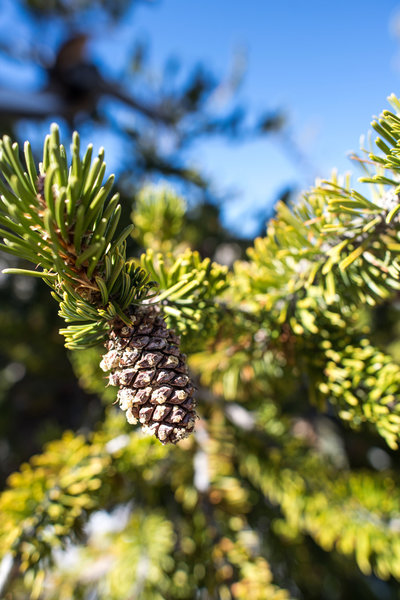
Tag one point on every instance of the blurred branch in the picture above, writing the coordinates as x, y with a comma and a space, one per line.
9, 570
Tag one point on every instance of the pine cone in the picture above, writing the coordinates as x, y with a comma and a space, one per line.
146, 363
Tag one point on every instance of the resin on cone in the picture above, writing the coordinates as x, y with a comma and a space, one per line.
154, 387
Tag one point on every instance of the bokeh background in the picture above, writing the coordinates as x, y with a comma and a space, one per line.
236, 105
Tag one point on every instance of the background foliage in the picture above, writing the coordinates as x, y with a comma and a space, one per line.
289, 488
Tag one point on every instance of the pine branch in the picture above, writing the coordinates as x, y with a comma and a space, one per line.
64, 222
159, 218
74, 477
189, 292
336, 250
355, 514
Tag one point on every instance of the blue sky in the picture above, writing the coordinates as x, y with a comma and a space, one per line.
328, 65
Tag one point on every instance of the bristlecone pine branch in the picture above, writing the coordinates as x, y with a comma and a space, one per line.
62, 220
146, 363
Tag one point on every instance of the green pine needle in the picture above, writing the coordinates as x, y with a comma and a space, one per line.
64, 222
